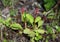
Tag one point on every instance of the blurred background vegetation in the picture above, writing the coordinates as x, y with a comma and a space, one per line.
29, 20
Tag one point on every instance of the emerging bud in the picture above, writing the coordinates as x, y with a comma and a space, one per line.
23, 9
36, 11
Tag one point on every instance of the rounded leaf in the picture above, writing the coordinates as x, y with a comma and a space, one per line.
37, 19
16, 26
30, 18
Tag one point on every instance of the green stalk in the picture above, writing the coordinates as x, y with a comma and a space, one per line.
25, 21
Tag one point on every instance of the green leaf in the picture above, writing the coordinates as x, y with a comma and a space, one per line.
8, 19
7, 2
54, 36
1, 20
38, 37
16, 26
13, 12
49, 30
57, 28
28, 18
23, 16
51, 15
46, 40
40, 23
7, 22
41, 31
4, 40
37, 19
37, 34
29, 32
49, 4
32, 39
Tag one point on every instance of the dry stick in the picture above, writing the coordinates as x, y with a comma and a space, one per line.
29, 3
51, 9
14, 39
46, 14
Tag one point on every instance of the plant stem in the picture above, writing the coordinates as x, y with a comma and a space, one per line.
25, 25
25, 21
